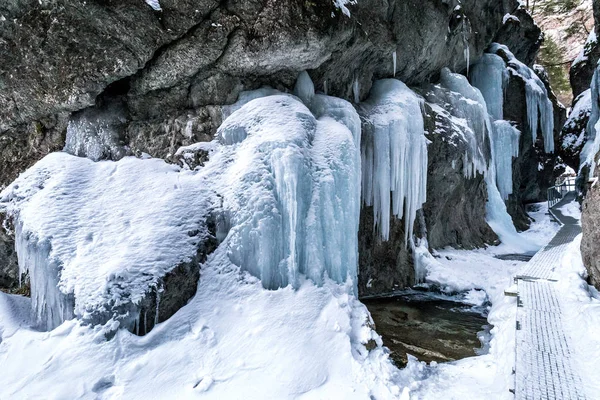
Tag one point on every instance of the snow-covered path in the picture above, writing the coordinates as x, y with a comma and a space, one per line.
545, 366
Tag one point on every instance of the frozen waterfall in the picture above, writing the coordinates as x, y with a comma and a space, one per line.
290, 182
469, 105
394, 155
282, 181
490, 77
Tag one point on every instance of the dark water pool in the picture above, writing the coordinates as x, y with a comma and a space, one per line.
428, 327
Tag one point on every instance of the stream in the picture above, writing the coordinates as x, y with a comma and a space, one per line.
428, 326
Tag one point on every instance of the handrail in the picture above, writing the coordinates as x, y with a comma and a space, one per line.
556, 193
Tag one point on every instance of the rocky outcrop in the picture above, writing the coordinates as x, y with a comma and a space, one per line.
573, 135
582, 69
522, 36
590, 250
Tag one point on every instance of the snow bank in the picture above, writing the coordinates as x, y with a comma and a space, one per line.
102, 232
394, 155
232, 339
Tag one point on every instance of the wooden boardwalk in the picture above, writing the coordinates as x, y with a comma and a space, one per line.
543, 367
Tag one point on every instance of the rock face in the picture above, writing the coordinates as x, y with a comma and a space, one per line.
522, 36
590, 251
573, 135
590, 218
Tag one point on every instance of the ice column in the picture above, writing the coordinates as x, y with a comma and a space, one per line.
490, 76
506, 146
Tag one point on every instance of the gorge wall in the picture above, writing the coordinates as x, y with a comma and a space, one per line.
143, 82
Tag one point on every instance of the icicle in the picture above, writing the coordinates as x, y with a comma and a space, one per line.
137, 324
356, 90
304, 88
158, 291
50, 306
325, 87
394, 155
394, 62
467, 50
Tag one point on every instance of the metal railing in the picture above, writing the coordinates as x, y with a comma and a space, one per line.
556, 193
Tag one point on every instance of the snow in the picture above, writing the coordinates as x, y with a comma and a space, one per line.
394, 155
154, 4
581, 315
509, 18
587, 48
232, 339
306, 343
571, 210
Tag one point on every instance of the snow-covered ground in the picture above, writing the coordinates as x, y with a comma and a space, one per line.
581, 315
487, 376
236, 340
